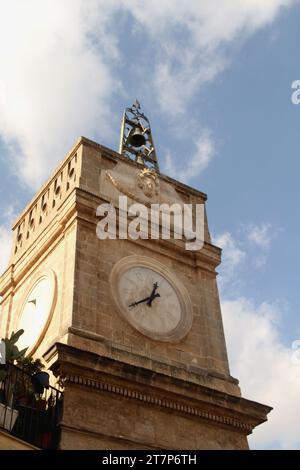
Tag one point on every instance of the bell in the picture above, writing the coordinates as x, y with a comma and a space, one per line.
136, 137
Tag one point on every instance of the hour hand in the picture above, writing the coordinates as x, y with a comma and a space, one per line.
150, 300
153, 295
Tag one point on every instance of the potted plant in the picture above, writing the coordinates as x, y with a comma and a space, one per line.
12, 353
25, 391
40, 381
34, 367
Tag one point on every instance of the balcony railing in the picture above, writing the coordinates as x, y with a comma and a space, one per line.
30, 416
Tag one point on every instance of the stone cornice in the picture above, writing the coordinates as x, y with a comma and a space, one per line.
109, 375
126, 355
154, 399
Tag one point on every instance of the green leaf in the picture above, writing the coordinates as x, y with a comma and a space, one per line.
15, 336
23, 352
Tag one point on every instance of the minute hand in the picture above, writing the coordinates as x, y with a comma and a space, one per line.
139, 302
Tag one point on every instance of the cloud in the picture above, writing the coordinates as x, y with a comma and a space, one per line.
260, 261
261, 235
8, 215
257, 355
193, 39
56, 81
254, 243
197, 163
233, 256
264, 366
5, 246
176, 85
62, 64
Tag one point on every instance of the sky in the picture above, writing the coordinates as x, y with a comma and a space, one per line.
215, 79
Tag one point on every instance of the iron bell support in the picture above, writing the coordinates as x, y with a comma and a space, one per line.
136, 142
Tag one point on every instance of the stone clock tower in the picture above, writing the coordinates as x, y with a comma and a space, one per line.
133, 326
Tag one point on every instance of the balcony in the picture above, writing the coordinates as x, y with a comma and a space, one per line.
27, 415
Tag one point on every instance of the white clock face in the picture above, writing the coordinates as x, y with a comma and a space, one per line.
36, 312
151, 298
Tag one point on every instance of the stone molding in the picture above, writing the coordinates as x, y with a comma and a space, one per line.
152, 399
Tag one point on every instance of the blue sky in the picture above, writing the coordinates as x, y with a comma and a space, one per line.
214, 77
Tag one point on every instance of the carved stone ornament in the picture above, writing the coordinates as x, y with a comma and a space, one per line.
148, 182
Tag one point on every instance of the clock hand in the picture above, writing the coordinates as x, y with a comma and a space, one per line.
149, 299
153, 295
155, 286
139, 302
33, 301
152, 298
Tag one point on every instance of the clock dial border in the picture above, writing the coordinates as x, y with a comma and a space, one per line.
50, 275
186, 320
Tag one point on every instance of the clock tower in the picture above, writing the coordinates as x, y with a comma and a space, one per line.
132, 325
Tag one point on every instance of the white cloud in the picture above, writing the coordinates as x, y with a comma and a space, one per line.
260, 261
176, 85
236, 250
8, 216
57, 65
261, 235
5, 247
232, 258
192, 37
257, 355
264, 366
56, 80
206, 19
197, 163
233, 255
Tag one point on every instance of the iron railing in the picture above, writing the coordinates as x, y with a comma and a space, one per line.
32, 417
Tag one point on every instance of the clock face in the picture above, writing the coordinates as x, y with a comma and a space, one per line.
151, 299
36, 311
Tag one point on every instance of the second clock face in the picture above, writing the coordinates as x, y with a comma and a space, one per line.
150, 300
36, 311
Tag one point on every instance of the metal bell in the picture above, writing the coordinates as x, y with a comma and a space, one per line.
136, 137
